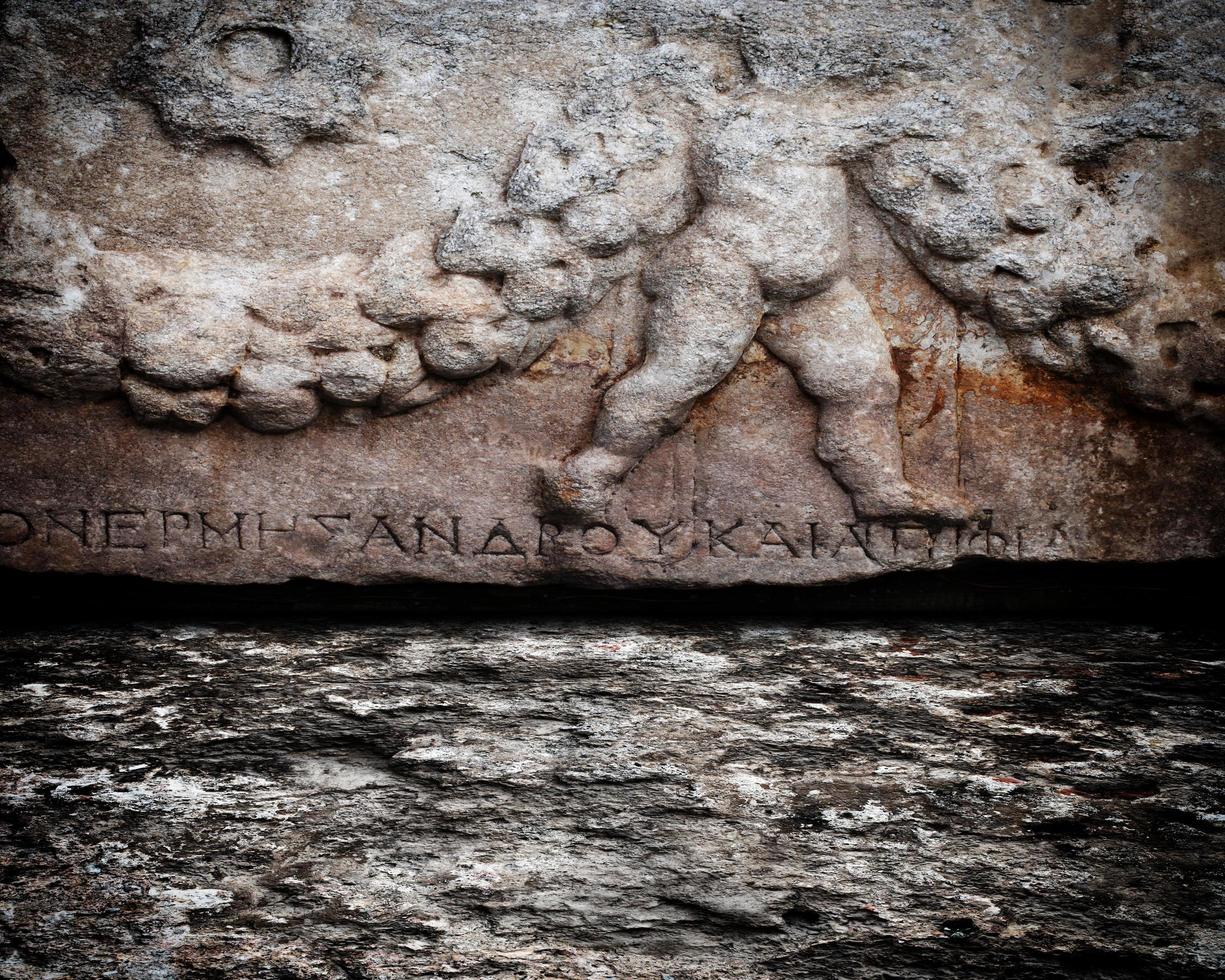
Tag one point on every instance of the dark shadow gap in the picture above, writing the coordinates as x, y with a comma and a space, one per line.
1182, 592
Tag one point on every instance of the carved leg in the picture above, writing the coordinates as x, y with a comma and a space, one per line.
840, 357
707, 308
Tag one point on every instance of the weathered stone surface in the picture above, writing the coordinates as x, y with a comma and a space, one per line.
193, 408
612, 292
695, 801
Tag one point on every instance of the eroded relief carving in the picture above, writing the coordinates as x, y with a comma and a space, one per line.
268, 73
727, 200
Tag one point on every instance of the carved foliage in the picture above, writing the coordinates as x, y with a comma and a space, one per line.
1060, 270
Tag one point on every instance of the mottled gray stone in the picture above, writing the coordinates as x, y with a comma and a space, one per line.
270, 72
511, 799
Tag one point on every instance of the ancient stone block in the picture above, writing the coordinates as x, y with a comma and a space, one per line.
617, 294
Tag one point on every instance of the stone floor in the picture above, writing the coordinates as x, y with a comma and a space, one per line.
517, 799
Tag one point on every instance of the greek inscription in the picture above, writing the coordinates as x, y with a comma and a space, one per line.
264, 529
451, 540
546, 540
382, 533
600, 539
15, 528
80, 532
221, 535
912, 543
718, 538
985, 540
175, 524
506, 543
852, 544
661, 534
118, 526
429, 536
332, 523
776, 537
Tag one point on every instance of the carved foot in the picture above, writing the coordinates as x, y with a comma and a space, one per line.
901, 502
583, 485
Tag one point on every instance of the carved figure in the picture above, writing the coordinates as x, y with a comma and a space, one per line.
1006, 234
771, 237
584, 207
595, 198
731, 213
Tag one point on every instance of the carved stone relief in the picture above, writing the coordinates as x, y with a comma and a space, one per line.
955, 252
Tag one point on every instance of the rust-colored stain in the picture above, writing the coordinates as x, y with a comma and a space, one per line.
1028, 386
904, 360
705, 414
757, 367
936, 406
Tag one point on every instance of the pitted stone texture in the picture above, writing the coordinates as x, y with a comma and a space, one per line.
272, 397
353, 378
179, 347
192, 409
269, 73
57, 336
